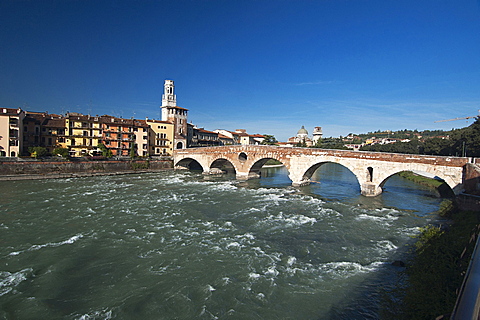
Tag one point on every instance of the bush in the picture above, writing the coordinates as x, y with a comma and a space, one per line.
60, 151
37, 152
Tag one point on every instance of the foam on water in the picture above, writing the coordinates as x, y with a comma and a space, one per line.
105, 314
9, 281
50, 244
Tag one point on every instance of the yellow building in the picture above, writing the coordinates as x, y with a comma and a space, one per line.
11, 137
161, 137
83, 134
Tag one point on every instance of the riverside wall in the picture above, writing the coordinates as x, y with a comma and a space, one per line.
52, 169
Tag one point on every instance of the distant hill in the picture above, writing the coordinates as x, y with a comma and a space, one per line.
457, 142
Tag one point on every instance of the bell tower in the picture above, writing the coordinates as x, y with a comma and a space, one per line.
174, 114
169, 99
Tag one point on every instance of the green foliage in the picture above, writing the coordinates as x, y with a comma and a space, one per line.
436, 271
37, 152
330, 143
140, 165
459, 142
133, 150
63, 152
269, 139
426, 236
302, 144
105, 151
447, 208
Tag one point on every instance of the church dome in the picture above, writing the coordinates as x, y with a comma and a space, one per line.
302, 131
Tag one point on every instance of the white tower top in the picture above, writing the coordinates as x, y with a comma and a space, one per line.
317, 134
169, 99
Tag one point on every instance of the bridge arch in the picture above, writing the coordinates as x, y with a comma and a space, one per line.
445, 190
254, 170
307, 176
222, 165
189, 164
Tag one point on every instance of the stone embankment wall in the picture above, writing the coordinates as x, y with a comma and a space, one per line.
470, 200
47, 169
472, 178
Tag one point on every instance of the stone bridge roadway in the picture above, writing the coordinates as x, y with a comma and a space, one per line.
372, 169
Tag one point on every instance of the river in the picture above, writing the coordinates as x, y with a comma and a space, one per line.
178, 245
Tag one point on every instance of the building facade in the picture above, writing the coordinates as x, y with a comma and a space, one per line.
11, 132
85, 135
161, 137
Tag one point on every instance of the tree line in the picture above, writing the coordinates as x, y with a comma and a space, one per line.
457, 142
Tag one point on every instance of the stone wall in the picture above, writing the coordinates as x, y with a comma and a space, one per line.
61, 167
472, 178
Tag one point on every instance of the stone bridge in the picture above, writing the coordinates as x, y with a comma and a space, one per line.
372, 169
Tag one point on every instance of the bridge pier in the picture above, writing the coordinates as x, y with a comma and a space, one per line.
370, 189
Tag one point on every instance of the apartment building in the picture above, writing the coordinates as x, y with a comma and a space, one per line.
11, 133
122, 136
161, 137
83, 134
199, 137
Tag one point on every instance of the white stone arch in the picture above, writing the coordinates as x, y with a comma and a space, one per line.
186, 162
454, 187
258, 162
307, 175
432, 171
219, 163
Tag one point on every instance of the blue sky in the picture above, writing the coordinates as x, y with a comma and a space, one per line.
349, 66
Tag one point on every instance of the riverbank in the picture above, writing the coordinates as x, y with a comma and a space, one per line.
439, 186
34, 170
71, 175
441, 256
434, 275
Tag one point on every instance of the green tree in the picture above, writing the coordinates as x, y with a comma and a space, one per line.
269, 139
318, 144
63, 152
105, 151
302, 144
133, 150
37, 152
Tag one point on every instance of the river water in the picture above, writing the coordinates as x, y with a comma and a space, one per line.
178, 245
